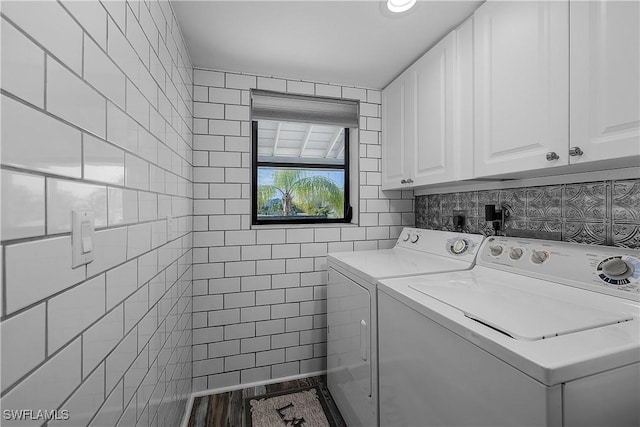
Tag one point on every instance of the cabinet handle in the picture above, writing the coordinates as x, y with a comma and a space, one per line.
575, 151
551, 155
404, 181
409, 181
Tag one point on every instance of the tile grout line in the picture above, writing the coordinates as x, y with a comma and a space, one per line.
46, 330
4, 282
46, 81
12, 242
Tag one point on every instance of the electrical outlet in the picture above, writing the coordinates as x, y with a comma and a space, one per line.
459, 217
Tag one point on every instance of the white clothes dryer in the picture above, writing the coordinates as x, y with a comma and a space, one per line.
352, 369
538, 333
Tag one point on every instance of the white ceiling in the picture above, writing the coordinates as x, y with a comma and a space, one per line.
354, 43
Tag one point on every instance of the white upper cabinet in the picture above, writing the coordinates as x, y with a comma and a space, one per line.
433, 159
397, 99
419, 115
521, 86
605, 80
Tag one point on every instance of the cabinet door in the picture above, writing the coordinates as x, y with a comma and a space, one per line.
463, 103
433, 158
396, 102
521, 85
605, 79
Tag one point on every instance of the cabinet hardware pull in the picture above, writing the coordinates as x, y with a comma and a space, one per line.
404, 181
551, 155
575, 151
409, 181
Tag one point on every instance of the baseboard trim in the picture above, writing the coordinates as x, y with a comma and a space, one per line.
189, 405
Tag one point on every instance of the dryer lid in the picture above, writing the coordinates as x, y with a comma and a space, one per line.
519, 311
383, 263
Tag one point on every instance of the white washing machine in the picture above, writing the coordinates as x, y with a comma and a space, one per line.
352, 311
537, 334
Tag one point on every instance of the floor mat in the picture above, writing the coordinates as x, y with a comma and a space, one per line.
304, 407
229, 409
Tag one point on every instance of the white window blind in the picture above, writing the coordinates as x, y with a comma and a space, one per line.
297, 108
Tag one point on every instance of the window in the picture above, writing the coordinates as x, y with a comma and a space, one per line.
300, 160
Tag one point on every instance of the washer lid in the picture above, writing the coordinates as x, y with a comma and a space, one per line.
520, 313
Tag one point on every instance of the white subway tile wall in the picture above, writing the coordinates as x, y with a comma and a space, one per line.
260, 293
23, 213
38, 142
96, 114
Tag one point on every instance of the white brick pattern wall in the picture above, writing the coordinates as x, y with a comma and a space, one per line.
260, 292
96, 114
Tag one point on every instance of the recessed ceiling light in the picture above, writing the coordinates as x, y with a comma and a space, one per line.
399, 6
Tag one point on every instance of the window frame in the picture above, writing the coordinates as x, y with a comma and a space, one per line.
255, 164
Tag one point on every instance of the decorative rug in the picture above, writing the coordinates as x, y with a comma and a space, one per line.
303, 407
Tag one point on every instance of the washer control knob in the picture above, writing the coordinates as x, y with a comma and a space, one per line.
538, 257
617, 268
405, 238
415, 238
459, 246
515, 253
495, 250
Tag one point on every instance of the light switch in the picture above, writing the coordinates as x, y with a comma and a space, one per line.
81, 238
87, 237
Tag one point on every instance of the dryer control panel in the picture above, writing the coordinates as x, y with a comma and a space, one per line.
462, 246
606, 269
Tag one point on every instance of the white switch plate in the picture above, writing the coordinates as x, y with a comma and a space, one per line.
81, 238
171, 228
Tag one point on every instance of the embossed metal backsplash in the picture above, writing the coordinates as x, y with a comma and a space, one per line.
602, 213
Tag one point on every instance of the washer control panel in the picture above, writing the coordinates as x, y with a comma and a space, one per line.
606, 269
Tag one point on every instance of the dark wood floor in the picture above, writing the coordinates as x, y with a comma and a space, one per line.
227, 409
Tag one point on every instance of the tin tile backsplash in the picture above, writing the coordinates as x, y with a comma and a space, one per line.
602, 212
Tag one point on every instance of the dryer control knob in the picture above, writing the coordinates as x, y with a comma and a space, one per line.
617, 268
515, 253
415, 238
495, 250
405, 238
538, 257
459, 246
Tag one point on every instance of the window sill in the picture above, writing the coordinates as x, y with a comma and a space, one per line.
275, 226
